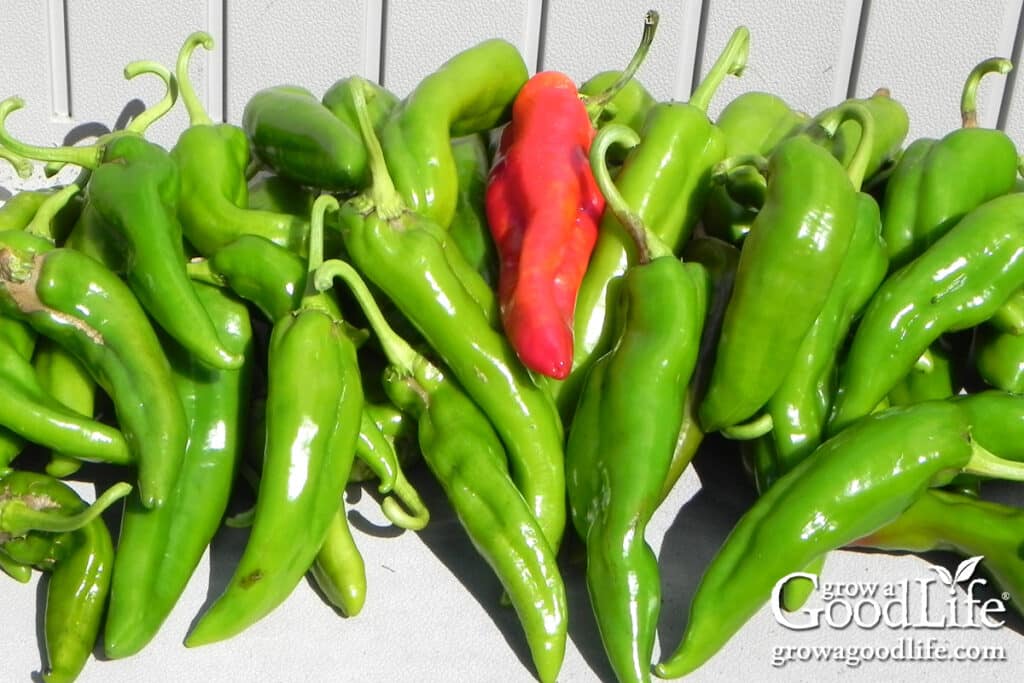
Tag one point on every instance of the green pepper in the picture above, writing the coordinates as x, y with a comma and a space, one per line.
612, 492
942, 520
463, 452
788, 264
44, 524
299, 138
66, 379
277, 194
18, 211
937, 182
21, 165
957, 283
339, 570
158, 550
667, 178
312, 423
212, 158
999, 358
753, 123
851, 485
402, 253
84, 307
468, 230
379, 102
629, 106
933, 379
470, 93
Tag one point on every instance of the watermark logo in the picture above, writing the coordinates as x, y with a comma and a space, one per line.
904, 604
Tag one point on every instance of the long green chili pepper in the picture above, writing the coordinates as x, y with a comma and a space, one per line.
66, 379
893, 456
339, 570
312, 424
158, 550
402, 254
667, 178
214, 207
957, 283
787, 267
461, 448
44, 524
612, 492
84, 307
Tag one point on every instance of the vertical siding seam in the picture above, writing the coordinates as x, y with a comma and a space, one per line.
688, 60
857, 57
383, 47
1005, 106
373, 32
534, 30
60, 67
543, 9
844, 84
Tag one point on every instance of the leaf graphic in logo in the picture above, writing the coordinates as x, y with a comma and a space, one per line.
966, 568
944, 575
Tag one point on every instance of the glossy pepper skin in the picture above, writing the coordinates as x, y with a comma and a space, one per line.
292, 133
469, 230
312, 423
158, 550
894, 456
45, 525
937, 182
957, 283
470, 93
87, 309
464, 453
788, 264
18, 211
402, 254
261, 272
680, 145
212, 158
943, 520
800, 406
619, 448
999, 358
339, 570
629, 106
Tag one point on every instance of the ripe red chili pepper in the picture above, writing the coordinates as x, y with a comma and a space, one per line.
543, 208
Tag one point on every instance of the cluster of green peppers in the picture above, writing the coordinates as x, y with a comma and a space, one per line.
876, 283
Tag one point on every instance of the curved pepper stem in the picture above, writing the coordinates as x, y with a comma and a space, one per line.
385, 197
720, 173
399, 352
86, 157
731, 62
22, 166
42, 223
987, 464
862, 156
197, 115
144, 120
403, 507
20, 515
648, 245
753, 429
969, 96
595, 105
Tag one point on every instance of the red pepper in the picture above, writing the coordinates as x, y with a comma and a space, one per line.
543, 208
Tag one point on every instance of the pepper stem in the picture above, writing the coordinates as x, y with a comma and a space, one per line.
987, 464
846, 111
404, 508
759, 426
648, 245
17, 517
42, 223
22, 166
969, 96
87, 157
385, 197
197, 115
722, 169
595, 105
199, 269
144, 120
398, 351
731, 62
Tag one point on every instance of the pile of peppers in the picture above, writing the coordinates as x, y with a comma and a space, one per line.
486, 275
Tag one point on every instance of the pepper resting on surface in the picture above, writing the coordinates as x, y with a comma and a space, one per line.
45, 525
893, 457
543, 208
462, 450
312, 423
402, 254
620, 448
